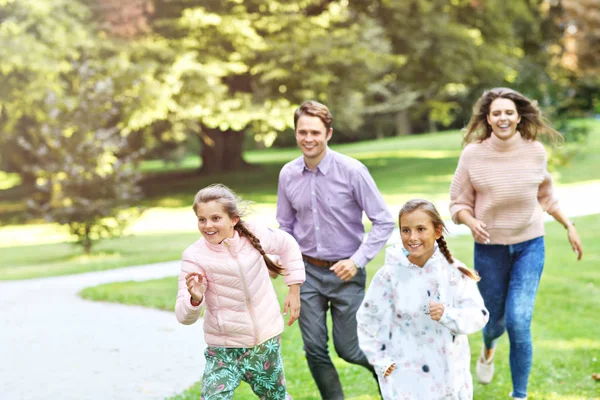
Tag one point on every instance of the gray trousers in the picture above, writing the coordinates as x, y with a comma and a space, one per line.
323, 290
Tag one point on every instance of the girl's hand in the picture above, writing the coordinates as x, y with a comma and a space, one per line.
436, 310
389, 370
195, 286
575, 241
478, 231
292, 303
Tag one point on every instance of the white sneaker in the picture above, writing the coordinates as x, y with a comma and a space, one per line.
485, 368
516, 398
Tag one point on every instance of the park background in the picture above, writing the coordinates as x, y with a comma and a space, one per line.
113, 114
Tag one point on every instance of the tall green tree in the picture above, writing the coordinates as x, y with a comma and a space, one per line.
450, 47
229, 68
37, 43
67, 92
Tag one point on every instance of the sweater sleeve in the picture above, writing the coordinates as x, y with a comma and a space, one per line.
468, 315
374, 319
185, 312
546, 196
282, 244
462, 192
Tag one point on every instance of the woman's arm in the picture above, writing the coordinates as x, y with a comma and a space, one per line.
549, 203
572, 234
462, 200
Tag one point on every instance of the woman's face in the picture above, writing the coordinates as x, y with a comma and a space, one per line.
503, 118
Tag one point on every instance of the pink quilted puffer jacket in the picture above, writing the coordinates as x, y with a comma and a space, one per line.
242, 309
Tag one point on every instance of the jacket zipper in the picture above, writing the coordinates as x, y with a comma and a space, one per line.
245, 293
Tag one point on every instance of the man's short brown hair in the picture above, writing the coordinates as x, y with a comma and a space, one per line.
314, 109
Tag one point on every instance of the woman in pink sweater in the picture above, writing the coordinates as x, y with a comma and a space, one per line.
500, 190
228, 271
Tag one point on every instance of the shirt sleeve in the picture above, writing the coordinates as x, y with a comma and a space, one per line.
371, 201
546, 196
374, 319
462, 192
469, 314
185, 312
286, 215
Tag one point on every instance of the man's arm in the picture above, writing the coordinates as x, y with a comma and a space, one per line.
371, 201
286, 215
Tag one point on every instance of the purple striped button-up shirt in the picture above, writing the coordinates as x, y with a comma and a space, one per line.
323, 210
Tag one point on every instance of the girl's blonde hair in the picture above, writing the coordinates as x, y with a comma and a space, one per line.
532, 122
438, 223
234, 206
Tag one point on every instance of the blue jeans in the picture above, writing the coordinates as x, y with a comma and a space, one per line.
510, 275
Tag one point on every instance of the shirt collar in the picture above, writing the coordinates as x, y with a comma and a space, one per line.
323, 166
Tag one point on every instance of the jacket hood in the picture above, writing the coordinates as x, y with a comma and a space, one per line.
394, 255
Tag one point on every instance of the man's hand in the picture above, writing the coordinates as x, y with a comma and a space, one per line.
292, 303
345, 269
436, 310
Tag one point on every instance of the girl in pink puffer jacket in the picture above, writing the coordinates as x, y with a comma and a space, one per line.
227, 270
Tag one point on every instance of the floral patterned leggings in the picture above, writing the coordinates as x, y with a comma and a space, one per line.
259, 366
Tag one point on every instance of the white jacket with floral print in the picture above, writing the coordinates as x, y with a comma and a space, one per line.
394, 327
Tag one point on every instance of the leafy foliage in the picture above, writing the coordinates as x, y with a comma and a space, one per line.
63, 132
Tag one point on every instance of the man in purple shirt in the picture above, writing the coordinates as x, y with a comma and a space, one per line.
320, 202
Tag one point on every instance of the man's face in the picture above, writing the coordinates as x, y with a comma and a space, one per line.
312, 137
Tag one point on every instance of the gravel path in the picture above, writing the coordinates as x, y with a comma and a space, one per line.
54, 345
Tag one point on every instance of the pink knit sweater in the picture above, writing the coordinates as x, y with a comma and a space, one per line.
503, 184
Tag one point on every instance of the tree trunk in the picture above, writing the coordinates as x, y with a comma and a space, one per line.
402, 123
432, 125
379, 131
87, 240
222, 151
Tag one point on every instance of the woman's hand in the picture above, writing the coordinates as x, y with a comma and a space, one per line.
575, 241
292, 303
195, 286
478, 231
390, 370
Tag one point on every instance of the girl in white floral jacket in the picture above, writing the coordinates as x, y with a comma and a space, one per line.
420, 307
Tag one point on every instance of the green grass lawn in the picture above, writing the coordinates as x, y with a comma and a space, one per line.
565, 327
36, 261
